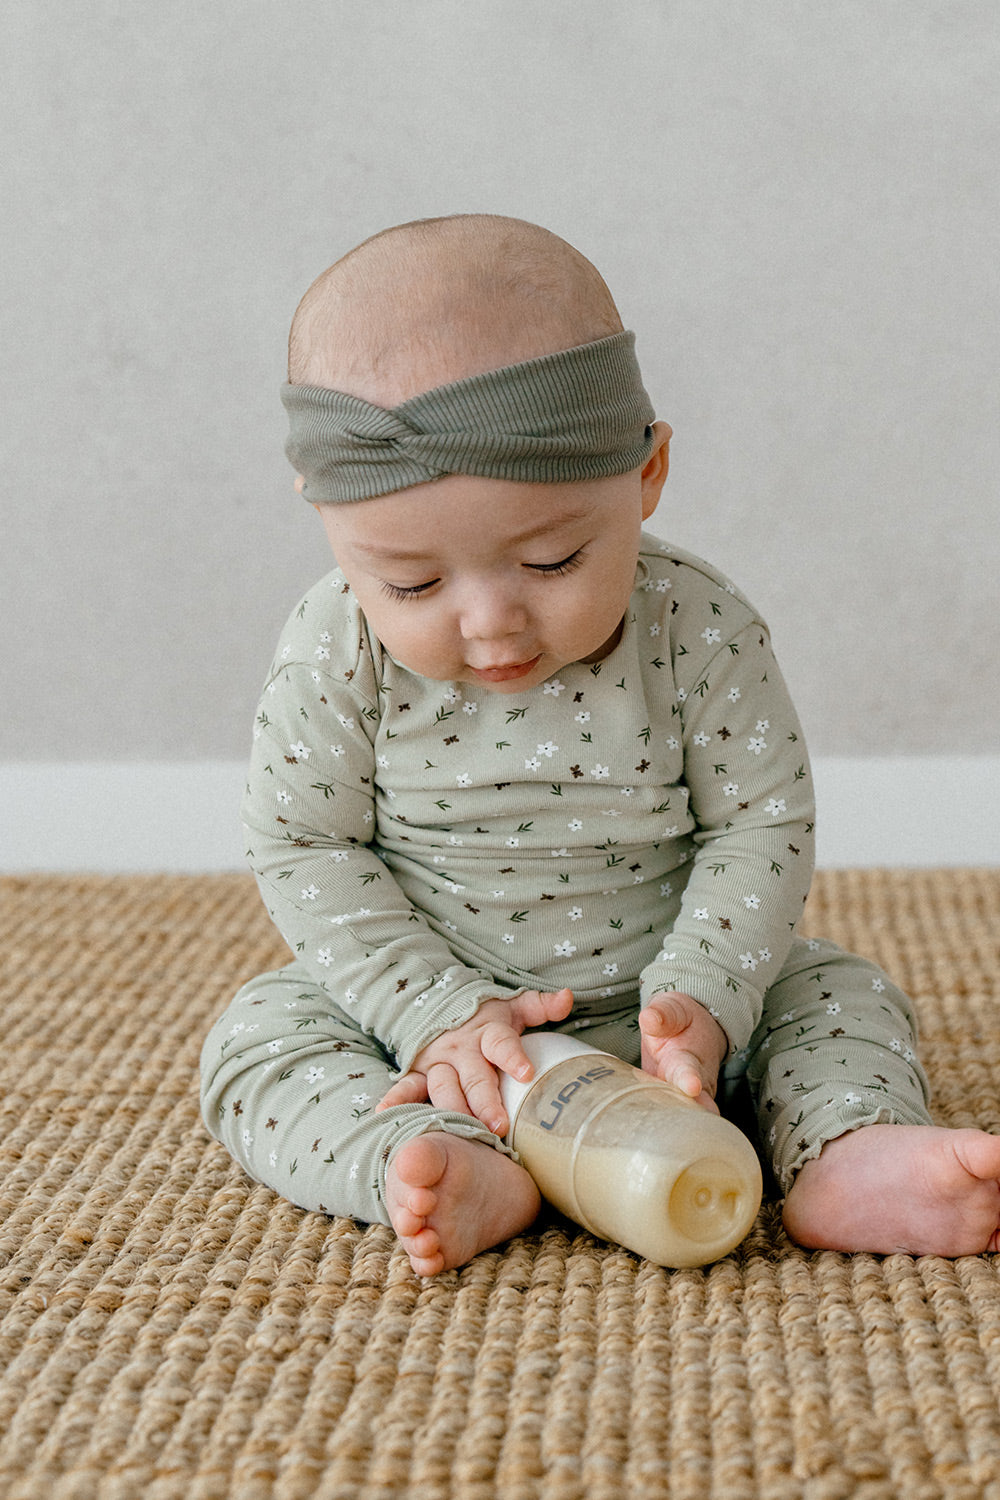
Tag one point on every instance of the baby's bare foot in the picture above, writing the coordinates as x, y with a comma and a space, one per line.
448, 1198
918, 1189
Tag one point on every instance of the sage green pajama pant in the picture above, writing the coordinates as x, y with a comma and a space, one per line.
290, 1082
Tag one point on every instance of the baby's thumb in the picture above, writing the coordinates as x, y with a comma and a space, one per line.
535, 1007
666, 1015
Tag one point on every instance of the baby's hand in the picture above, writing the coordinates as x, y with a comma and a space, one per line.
684, 1045
457, 1070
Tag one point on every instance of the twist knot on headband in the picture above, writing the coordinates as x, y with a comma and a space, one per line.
578, 414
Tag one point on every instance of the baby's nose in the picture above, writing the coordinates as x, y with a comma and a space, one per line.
490, 613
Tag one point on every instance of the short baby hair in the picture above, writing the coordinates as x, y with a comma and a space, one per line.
442, 299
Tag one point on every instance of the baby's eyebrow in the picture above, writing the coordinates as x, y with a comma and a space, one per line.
530, 534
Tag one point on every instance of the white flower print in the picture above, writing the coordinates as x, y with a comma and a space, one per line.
673, 744
756, 744
284, 797
575, 826
748, 961
275, 1046
655, 630
272, 1158
533, 763
452, 695
325, 957
513, 843
763, 725
878, 985
765, 955
583, 717
712, 637
560, 854
833, 1009
575, 913
751, 902
314, 1074
555, 687
701, 914
565, 949
734, 695
339, 856
666, 889
350, 997
383, 761
610, 970
463, 778
360, 1100
470, 708
337, 750
662, 585
508, 937
775, 806
702, 738
322, 652
355, 1169
730, 789
600, 773
682, 695
346, 722
547, 749
310, 893
300, 751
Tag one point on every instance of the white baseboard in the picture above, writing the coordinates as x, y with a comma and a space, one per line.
183, 816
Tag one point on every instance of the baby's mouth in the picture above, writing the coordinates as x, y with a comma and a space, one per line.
506, 673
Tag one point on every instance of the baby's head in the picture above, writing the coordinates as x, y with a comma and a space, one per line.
492, 535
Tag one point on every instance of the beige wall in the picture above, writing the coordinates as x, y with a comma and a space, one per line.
796, 205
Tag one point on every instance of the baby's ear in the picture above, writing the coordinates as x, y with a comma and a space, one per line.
656, 468
299, 483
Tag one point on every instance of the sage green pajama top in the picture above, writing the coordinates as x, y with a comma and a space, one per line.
641, 824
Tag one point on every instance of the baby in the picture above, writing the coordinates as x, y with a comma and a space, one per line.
519, 764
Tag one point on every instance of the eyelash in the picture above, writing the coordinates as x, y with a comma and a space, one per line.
551, 570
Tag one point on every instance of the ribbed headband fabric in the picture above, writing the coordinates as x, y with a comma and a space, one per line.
579, 414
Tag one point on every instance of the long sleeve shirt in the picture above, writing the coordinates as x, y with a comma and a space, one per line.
639, 824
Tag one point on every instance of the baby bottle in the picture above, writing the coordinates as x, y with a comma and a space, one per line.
630, 1157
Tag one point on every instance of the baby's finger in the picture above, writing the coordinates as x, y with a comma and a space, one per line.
410, 1089
483, 1093
444, 1089
502, 1046
683, 1070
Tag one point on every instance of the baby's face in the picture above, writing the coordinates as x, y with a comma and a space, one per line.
495, 583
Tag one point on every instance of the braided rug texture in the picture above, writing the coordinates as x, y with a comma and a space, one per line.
170, 1330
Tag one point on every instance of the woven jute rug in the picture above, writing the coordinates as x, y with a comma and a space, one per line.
172, 1331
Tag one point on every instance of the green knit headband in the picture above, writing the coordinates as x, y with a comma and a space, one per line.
578, 414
